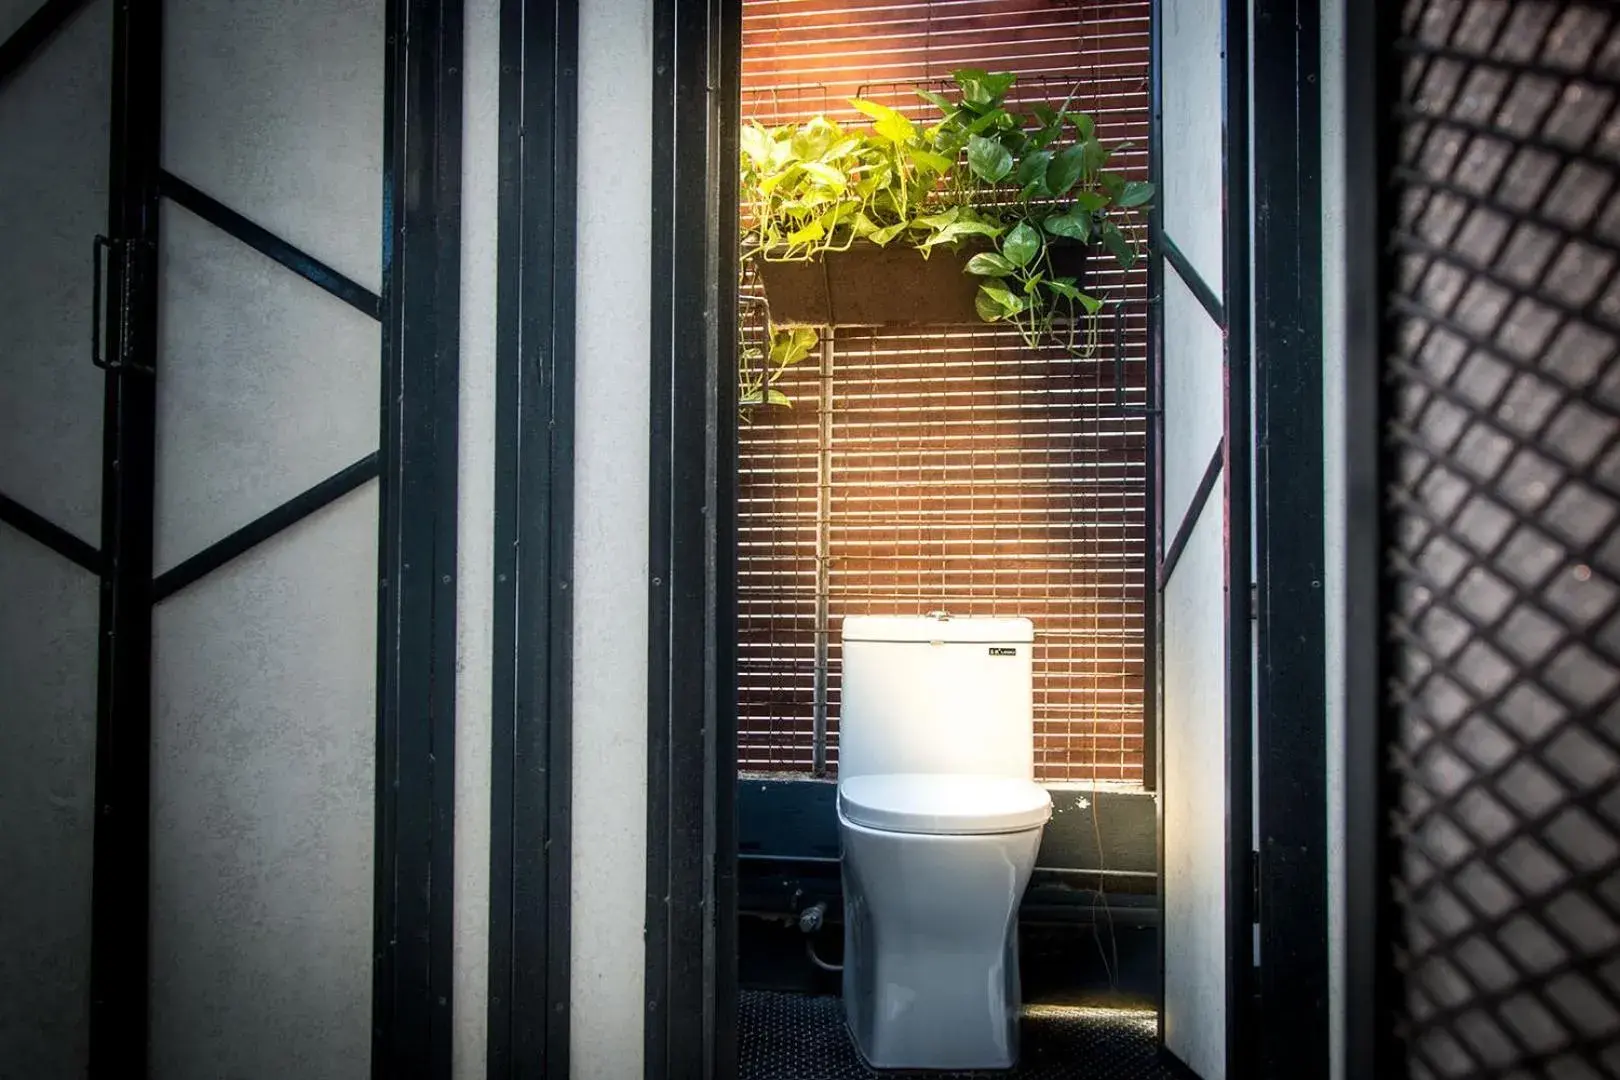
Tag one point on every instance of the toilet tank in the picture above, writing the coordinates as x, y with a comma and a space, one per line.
935, 694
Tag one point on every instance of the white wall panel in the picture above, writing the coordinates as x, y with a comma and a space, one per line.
611, 457
1195, 803
1194, 405
269, 385
475, 576
53, 201
48, 618
276, 109
264, 682
1190, 168
13, 13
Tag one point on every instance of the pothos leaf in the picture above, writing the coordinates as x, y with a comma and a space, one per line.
986, 306
989, 264
788, 347
755, 143
941, 219
1021, 245
888, 123
1137, 193
1114, 240
825, 173
1076, 225
1065, 169
1032, 171
807, 235
882, 236
1004, 298
938, 163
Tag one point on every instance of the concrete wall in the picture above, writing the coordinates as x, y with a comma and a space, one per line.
475, 552
611, 461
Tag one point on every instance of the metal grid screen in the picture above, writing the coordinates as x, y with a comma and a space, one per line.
1506, 495
962, 470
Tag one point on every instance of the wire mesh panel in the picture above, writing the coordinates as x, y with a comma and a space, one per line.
950, 467
1505, 502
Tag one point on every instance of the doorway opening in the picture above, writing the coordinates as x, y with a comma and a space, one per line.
901, 453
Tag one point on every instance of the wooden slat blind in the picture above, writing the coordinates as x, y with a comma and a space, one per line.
968, 472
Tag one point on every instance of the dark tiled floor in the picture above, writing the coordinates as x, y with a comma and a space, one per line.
799, 1037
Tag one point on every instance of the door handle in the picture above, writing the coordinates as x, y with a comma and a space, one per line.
128, 250
101, 243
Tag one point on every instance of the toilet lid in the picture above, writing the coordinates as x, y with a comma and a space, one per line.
945, 805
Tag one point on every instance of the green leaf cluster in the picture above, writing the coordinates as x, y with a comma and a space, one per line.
1002, 184
762, 366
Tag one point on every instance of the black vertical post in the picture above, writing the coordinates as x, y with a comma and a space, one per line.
1153, 611
725, 29
121, 891
530, 851
691, 711
678, 775
1292, 704
1372, 921
416, 656
1240, 913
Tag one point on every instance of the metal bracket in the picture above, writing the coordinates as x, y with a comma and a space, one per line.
122, 249
1119, 371
1254, 887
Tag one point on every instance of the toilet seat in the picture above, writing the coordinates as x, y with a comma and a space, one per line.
943, 804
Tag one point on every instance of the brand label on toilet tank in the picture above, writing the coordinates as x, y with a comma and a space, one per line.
1003, 650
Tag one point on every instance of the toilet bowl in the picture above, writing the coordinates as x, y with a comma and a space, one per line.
940, 822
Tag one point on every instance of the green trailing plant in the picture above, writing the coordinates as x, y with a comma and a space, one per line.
1005, 188
763, 365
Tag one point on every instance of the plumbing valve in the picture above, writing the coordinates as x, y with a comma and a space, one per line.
812, 917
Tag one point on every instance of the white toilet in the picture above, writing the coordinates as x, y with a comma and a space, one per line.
940, 820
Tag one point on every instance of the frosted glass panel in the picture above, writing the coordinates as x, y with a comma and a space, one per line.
13, 13
1190, 165
1194, 406
53, 201
276, 110
1194, 884
269, 386
48, 614
264, 679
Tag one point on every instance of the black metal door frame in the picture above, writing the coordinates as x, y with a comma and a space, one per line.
530, 790
413, 999
123, 559
417, 468
691, 988
1372, 991
1229, 466
1291, 988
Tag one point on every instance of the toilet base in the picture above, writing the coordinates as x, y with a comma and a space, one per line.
929, 1050
931, 948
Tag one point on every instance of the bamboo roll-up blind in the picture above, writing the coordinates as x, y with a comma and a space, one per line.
967, 471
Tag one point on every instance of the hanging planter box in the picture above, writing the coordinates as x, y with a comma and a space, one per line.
869, 285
